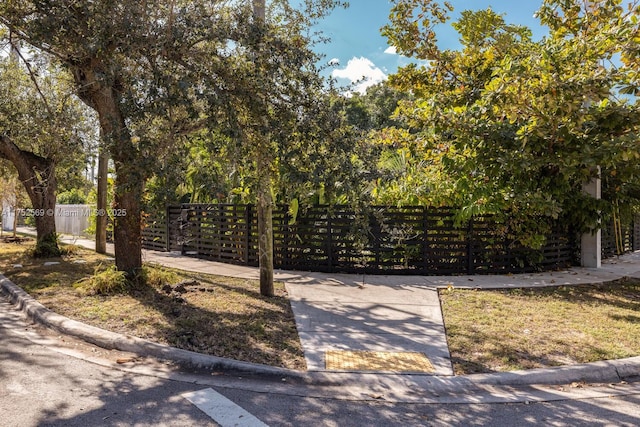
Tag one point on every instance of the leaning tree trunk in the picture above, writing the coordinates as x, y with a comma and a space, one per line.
104, 98
38, 176
46, 221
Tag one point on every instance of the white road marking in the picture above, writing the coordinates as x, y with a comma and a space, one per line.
222, 410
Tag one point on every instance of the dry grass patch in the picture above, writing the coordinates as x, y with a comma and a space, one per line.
531, 328
213, 315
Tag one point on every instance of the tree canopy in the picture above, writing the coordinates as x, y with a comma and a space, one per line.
42, 126
508, 124
160, 73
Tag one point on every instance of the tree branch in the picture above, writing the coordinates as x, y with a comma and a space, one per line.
10, 151
33, 77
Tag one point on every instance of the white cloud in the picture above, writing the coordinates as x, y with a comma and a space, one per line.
391, 50
334, 61
362, 72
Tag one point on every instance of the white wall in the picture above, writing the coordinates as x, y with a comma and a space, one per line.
73, 219
7, 217
70, 219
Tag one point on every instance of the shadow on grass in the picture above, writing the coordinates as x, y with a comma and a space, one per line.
514, 330
508, 357
623, 294
251, 328
627, 318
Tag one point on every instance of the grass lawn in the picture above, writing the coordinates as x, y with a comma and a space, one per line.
220, 316
503, 330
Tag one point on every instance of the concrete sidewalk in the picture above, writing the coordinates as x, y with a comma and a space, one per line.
341, 312
394, 315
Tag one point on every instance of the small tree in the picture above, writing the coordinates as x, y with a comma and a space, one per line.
40, 126
274, 106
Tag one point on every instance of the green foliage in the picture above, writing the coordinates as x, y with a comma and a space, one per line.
163, 76
374, 110
403, 180
140, 66
107, 282
41, 126
110, 281
155, 277
511, 126
39, 113
278, 106
74, 196
67, 250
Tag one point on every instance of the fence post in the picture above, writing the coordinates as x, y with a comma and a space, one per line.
329, 240
591, 243
167, 227
470, 263
247, 234
425, 243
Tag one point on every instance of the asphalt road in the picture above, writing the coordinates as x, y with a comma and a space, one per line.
301, 411
40, 385
52, 380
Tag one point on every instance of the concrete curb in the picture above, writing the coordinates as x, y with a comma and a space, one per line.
113, 341
611, 371
607, 371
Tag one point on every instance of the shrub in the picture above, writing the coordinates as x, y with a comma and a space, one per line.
107, 282
155, 277
72, 197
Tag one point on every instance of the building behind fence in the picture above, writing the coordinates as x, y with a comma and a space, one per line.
386, 240
70, 219
73, 219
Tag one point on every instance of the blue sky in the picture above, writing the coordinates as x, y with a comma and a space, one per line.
358, 50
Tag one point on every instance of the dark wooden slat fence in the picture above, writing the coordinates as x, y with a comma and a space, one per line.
388, 240
630, 239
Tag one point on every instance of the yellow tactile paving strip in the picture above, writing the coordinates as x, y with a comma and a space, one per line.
342, 360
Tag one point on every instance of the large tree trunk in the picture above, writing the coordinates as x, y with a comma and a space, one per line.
104, 99
46, 220
38, 176
126, 222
